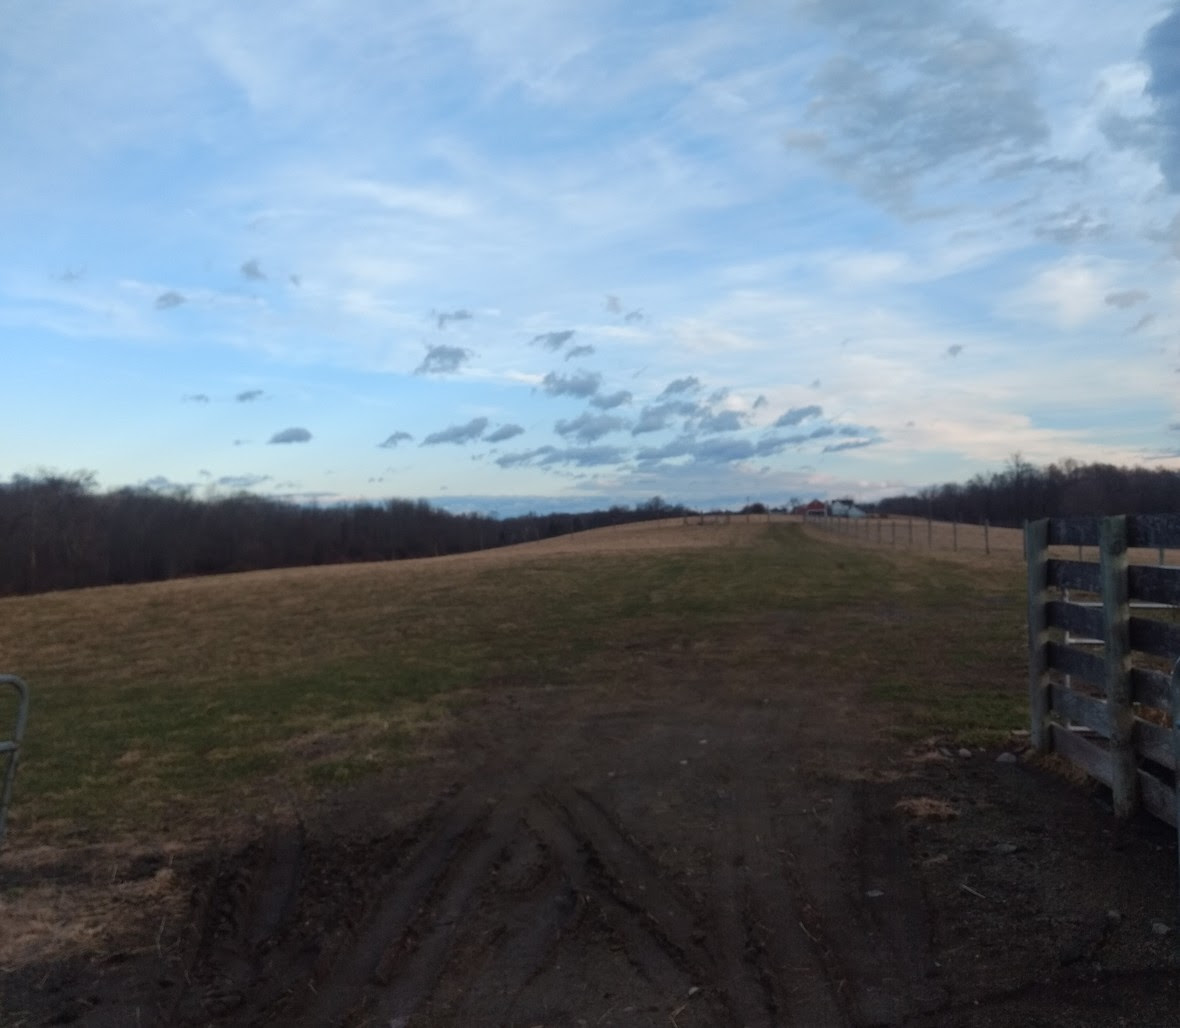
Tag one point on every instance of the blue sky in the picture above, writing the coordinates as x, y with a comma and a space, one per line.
526, 254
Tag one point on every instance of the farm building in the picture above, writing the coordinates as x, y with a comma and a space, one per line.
814, 509
845, 509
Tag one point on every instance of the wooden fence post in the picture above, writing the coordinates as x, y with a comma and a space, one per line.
1175, 704
893, 534
930, 533
1116, 624
1036, 545
987, 546
911, 528
955, 535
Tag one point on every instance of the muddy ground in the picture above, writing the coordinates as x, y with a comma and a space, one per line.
704, 853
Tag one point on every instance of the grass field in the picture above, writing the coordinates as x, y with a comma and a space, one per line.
161, 707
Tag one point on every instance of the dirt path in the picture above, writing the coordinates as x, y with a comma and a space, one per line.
695, 860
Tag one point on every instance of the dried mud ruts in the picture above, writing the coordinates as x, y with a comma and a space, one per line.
471, 915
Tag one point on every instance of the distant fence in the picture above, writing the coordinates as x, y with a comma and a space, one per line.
1103, 637
924, 533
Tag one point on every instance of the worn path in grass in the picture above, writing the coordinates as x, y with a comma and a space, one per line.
674, 779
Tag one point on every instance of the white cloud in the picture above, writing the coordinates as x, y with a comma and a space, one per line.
1067, 294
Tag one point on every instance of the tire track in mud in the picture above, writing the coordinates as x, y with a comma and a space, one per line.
773, 971
657, 927
403, 945
238, 922
471, 915
865, 913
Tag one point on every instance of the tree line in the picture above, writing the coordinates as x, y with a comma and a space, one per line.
1023, 491
59, 532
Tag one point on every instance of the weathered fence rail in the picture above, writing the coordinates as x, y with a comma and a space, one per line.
1102, 638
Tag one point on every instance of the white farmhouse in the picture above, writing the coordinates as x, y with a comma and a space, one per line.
845, 509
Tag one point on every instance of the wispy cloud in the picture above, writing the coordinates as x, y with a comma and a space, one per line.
581, 384
1163, 86
660, 416
443, 359
444, 318
554, 340
249, 395
167, 300
688, 384
609, 401
797, 415
722, 421
855, 444
904, 97
391, 442
1126, 297
291, 435
504, 432
458, 434
588, 428
242, 482
548, 456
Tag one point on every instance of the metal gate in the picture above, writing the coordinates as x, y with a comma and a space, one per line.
10, 749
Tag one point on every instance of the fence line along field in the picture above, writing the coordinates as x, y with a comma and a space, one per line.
702, 774
960, 541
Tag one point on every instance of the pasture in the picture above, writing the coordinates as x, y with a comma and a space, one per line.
162, 704
668, 773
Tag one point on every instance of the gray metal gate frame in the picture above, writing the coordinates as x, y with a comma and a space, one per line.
10, 749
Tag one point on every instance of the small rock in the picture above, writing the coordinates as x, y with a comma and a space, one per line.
1006, 758
694, 990
874, 893
964, 752
1006, 849
1159, 928
1113, 916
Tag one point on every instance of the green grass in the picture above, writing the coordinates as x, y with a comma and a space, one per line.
158, 703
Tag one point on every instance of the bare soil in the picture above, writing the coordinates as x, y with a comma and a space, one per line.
687, 846
711, 854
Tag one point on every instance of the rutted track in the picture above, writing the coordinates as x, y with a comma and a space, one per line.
604, 878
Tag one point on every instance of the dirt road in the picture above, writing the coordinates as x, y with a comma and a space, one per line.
708, 858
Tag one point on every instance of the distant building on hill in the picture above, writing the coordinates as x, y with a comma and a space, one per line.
814, 509
845, 509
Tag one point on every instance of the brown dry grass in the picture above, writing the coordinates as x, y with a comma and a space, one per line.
158, 708
102, 910
201, 629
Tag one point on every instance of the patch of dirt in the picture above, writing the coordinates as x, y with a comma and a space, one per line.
701, 852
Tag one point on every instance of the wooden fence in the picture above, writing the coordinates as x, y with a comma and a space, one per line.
911, 533
1104, 643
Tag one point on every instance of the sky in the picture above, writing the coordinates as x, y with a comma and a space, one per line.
511, 255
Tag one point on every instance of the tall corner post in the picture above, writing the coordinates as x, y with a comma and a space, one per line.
1175, 704
1036, 547
1116, 632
